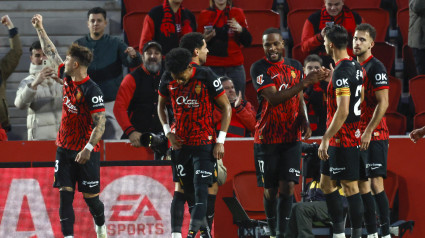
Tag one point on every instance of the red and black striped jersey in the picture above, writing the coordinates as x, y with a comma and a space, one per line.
80, 100
346, 81
376, 79
277, 124
192, 105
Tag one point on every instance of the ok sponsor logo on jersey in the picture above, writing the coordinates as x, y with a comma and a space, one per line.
342, 82
187, 102
381, 78
97, 101
217, 84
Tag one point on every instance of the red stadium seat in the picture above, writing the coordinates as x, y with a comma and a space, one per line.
253, 4
362, 3
419, 120
296, 20
394, 93
298, 54
396, 123
196, 5
385, 52
377, 17
306, 4
249, 194
259, 21
251, 55
133, 24
402, 4
391, 184
140, 6
417, 89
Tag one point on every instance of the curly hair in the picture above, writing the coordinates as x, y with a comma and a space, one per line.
177, 60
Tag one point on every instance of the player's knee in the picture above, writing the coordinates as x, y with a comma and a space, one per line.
90, 195
69, 189
178, 187
286, 188
377, 185
364, 187
94, 203
213, 190
350, 187
270, 193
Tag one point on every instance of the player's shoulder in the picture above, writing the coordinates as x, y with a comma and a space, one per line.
260, 64
293, 62
204, 73
377, 65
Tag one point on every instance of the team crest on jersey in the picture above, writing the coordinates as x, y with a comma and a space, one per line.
357, 133
260, 79
198, 89
78, 95
293, 74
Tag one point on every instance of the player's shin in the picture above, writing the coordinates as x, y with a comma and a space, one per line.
66, 213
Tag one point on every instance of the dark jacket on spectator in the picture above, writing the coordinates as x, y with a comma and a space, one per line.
416, 37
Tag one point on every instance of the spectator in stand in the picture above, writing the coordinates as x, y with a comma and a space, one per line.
225, 30
315, 97
243, 115
7, 65
334, 12
41, 94
416, 33
166, 24
137, 98
109, 55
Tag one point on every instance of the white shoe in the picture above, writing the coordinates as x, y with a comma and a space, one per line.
176, 235
101, 231
374, 235
69, 237
387, 236
339, 235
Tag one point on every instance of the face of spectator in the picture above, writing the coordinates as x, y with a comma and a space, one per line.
273, 46
334, 7
202, 53
37, 56
152, 58
97, 24
229, 88
69, 65
312, 66
183, 77
176, 2
328, 48
362, 42
220, 3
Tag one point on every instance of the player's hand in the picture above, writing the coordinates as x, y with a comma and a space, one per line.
176, 141
306, 129
218, 151
328, 72
83, 156
131, 52
5, 20
37, 21
135, 139
323, 149
209, 34
416, 135
365, 140
238, 100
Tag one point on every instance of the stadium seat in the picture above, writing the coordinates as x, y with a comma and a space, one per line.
306, 4
377, 17
394, 93
385, 52
296, 20
253, 5
417, 89
396, 123
298, 54
251, 55
402, 4
138, 6
362, 3
259, 21
133, 24
249, 194
196, 5
419, 120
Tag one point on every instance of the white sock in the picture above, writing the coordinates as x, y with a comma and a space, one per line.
374, 235
339, 235
69, 237
176, 235
387, 236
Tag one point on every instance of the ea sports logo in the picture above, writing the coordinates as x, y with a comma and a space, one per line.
137, 206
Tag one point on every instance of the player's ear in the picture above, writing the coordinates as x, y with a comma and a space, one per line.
372, 44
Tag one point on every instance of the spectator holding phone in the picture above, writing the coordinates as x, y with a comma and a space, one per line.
334, 12
41, 94
225, 30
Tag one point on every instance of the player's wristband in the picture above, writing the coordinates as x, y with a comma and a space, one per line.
89, 147
166, 128
221, 137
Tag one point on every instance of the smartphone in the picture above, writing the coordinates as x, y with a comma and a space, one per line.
208, 28
47, 63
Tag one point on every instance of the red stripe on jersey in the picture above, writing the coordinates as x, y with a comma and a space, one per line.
381, 88
59, 69
339, 61
266, 86
160, 94
82, 81
97, 110
367, 60
222, 93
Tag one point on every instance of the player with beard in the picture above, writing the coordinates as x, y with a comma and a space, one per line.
339, 149
281, 120
373, 126
137, 98
192, 91
82, 127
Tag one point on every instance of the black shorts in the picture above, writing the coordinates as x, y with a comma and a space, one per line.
68, 172
176, 177
277, 162
375, 159
343, 163
194, 165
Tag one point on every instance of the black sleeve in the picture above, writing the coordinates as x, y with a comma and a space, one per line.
213, 82
260, 78
378, 76
94, 98
163, 84
341, 78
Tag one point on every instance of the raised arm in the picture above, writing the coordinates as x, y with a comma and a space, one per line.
47, 45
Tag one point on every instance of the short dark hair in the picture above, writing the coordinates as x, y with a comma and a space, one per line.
225, 78
35, 45
192, 41
313, 58
82, 54
272, 30
337, 35
367, 28
97, 10
177, 60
